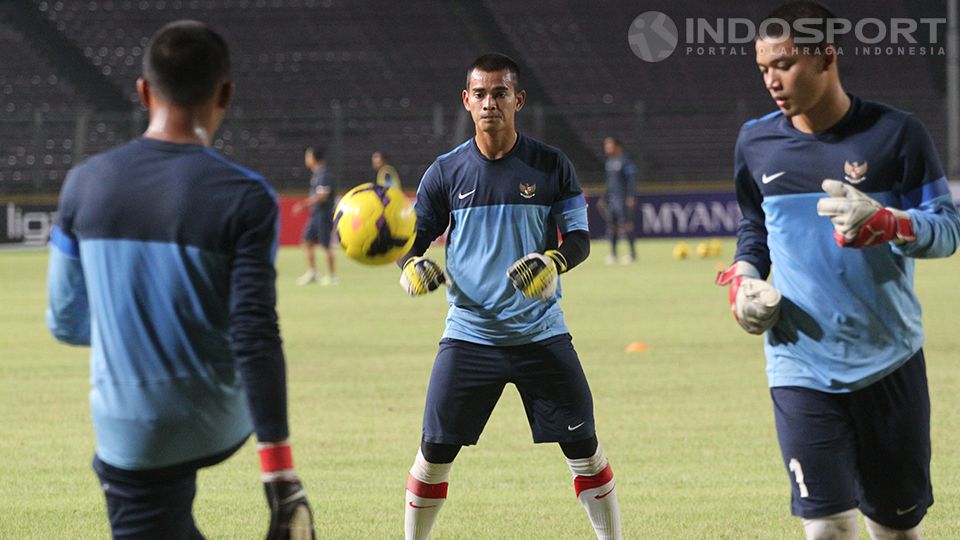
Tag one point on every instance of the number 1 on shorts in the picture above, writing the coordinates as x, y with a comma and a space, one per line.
797, 471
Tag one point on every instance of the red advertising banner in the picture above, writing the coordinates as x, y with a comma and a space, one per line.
291, 225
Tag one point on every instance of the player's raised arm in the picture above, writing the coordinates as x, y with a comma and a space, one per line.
68, 311
256, 346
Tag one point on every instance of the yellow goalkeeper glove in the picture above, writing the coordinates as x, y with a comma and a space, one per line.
535, 275
420, 275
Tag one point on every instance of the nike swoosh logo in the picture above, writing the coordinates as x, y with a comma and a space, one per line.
598, 497
462, 196
767, 179
576, 427
427, 506
907, 511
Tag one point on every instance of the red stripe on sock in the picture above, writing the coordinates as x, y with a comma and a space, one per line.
427, 491
581, 483
276, 458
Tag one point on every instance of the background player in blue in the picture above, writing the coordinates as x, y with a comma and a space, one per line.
619, 200
162, 260
319, 227
843, 333
504, 195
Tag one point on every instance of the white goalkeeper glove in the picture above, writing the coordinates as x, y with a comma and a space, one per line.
535, 275
420, 276
859, 220
754, 302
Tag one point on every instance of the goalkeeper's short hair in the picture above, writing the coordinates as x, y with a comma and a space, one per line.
815, 15
495, 62
185, 62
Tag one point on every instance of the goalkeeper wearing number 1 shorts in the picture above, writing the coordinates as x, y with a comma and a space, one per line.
839, 197
504, 196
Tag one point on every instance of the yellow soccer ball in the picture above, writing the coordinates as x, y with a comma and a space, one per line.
376, 224
714, 247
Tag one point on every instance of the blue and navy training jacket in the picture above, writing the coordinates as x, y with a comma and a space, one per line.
162, 260
849, 316
498, 211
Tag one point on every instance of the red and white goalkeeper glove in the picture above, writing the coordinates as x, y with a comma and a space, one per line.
859, 220
290, 515
754, 302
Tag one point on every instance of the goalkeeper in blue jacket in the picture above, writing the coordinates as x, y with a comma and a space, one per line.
504, 196
840, 196
162, 261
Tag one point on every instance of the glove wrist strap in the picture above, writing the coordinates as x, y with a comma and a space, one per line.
904, 228
276, 462
558, 260
737, 269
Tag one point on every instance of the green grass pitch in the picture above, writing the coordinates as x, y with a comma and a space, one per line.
687, 423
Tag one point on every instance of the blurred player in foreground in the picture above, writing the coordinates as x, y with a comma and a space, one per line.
504, 196
319, 228
387, 174
619, 200
162, 259
844, 341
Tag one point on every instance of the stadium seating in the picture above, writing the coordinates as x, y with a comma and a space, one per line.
692, 109
30, 90
326, 61
360, 76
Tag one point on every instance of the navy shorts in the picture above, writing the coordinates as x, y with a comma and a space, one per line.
868, 449
154, 504
468, 378
319, 229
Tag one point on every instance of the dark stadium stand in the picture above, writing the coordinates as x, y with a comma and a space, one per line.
692, 109
325, 61
360, 76
37, 123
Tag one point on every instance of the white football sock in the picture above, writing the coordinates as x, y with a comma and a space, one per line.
842, 526
879, 532
426, 493
595, 487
